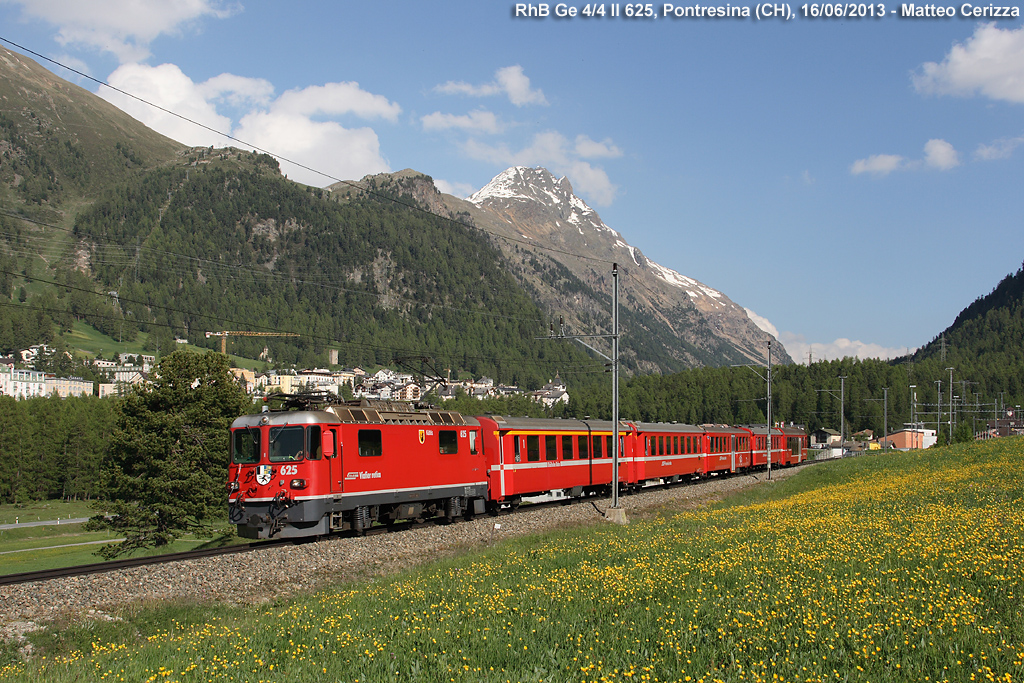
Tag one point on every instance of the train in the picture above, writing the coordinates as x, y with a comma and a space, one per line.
311, 468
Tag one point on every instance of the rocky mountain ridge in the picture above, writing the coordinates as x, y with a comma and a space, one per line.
559, 247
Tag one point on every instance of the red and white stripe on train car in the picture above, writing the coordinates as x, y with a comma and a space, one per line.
667, 451
535, 455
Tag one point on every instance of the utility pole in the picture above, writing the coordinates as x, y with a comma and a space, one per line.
913, 412
950, 404
885, 409
769, 409
768, 430
842, 417
938, 408
842, 404
614, 513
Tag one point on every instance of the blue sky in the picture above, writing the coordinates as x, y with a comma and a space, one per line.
855, 182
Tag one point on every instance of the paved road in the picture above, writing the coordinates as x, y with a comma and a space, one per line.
67, 545
45, 522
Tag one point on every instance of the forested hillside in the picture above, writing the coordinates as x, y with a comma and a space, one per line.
191, 250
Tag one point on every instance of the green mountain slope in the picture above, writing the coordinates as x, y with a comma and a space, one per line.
60, 143
230, 244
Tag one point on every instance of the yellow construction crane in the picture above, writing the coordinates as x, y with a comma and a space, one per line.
237, 333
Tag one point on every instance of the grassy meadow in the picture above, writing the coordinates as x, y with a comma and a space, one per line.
881, 568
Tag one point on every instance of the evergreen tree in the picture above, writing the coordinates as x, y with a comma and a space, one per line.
165, 473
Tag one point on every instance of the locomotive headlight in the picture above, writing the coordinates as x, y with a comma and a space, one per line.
233, 486
298, 483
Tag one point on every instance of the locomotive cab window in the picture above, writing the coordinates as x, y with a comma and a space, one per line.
287, 444
314, 451
245, 446
447, 441
371, 444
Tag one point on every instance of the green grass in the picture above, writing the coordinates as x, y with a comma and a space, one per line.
91, 342
67, 535
881, 568
45, 510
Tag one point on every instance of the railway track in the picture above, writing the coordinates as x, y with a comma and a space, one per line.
113, 565
398, 527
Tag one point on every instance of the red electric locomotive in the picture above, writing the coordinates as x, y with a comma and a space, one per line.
309, 472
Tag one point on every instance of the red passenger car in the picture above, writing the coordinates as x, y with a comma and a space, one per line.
670, 452
531, 456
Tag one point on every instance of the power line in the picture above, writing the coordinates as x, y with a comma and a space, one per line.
249, 145
223, 321
223, 270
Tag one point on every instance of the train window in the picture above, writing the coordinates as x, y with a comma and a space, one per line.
566, 447
472, 442
675, 445
371, 443
597, 446
582, 442
287, 443
533, 448
245, 446
551, 447
608, 446
447, 441
313, 446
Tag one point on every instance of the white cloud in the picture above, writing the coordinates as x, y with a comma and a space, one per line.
479, 120
461, 190
763, 323
553, 151
343, 153
168, 87
941, 155
238, 91
335, 99
122, 27
879, 164
509, 80
799, 348
999, 149
938, 155
990, 63
283, 126
589, 149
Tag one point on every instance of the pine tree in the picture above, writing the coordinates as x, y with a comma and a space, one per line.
165, 473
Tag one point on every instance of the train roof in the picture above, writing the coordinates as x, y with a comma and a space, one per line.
668, 427
555, 424
397, 413
290, 417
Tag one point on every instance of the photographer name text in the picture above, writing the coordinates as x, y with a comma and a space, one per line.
760, 11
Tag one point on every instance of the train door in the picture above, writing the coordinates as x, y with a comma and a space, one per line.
332, 455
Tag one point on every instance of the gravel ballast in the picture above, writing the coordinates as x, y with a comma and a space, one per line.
267, 574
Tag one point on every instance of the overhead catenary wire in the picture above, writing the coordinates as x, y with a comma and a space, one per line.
249, 145
111, 250
224, 321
